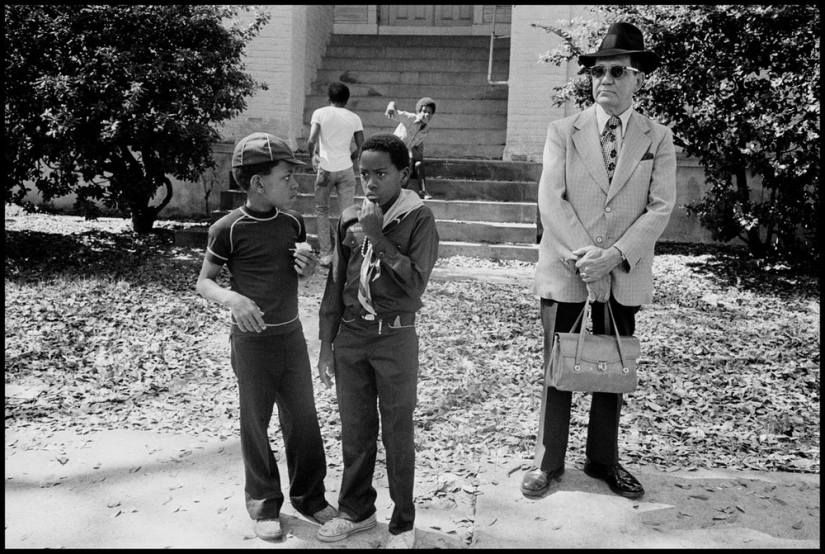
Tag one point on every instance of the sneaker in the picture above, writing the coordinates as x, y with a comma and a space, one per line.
323, 516
402, 540
268, 529
427, 195
339, 528
326, 261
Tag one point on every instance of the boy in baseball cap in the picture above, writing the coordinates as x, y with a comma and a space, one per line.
261, 243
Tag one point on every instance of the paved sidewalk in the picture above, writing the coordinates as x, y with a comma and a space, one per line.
142, 489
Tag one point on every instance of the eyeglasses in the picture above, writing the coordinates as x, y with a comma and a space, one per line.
616, 71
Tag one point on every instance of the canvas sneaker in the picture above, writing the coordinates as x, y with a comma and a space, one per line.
402, 540
268, 529
339, 528
325, 515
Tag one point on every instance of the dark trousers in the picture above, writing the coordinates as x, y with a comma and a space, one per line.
380, 365
275, 369
605, 408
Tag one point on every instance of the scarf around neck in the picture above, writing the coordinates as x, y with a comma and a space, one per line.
406, 203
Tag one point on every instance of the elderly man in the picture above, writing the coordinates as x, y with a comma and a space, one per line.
606, 192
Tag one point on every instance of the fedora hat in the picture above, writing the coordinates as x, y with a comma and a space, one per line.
621, 39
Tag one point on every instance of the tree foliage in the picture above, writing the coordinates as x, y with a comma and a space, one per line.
739, 86
107, 101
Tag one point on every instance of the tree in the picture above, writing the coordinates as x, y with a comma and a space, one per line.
107, 101
739, 86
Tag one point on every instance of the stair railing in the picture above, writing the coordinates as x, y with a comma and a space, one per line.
493, 37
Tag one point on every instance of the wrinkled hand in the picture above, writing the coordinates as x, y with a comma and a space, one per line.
599, 291
305, 263
247, 314
326, 364
594, 262
371, 218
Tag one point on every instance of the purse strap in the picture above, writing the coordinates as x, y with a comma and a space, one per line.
618, 338
580, 345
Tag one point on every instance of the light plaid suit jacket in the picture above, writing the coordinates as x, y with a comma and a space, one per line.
579, 208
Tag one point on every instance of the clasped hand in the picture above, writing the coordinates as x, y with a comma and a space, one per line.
594, 265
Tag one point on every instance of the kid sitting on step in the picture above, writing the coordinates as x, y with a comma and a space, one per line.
413, 128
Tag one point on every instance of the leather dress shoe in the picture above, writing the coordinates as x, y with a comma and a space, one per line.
536, 482
617, 478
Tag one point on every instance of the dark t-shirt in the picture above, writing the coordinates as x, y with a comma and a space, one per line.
257, 249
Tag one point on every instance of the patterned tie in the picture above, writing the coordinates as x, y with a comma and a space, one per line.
609, 145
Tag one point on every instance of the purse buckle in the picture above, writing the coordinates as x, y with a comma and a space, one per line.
602, 366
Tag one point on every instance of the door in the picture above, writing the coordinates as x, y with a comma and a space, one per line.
425, 16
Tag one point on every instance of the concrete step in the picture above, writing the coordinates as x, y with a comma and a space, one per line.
462, 231
195, 237
493, 191
456, 210
470, 169
422, 52
408, 41
436, 150
521, 252
490, 170
439, 137
362, 105
442, 122
439, 188
403, 77
391, 91
422, 64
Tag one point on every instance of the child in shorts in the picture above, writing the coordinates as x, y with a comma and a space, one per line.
262, 243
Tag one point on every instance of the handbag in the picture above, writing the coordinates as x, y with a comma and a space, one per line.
593, 363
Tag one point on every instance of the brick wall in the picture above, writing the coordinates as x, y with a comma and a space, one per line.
319, 25
529, 107
268, 59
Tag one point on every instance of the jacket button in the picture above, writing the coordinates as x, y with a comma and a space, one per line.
599, 240
608, 209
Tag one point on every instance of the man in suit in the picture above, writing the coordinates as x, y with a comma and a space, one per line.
606, 192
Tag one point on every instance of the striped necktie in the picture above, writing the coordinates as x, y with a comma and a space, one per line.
609, 145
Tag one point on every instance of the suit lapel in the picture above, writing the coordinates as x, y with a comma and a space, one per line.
589, 147
634, 145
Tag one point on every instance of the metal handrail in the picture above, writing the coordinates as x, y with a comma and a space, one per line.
493, 37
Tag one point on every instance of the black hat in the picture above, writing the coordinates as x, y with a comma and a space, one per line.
623, 38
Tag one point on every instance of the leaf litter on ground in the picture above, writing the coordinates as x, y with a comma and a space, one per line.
104, 330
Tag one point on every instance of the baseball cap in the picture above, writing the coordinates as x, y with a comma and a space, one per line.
260, 148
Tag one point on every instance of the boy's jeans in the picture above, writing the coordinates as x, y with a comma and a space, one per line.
275, 369
344, 182
376, 372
